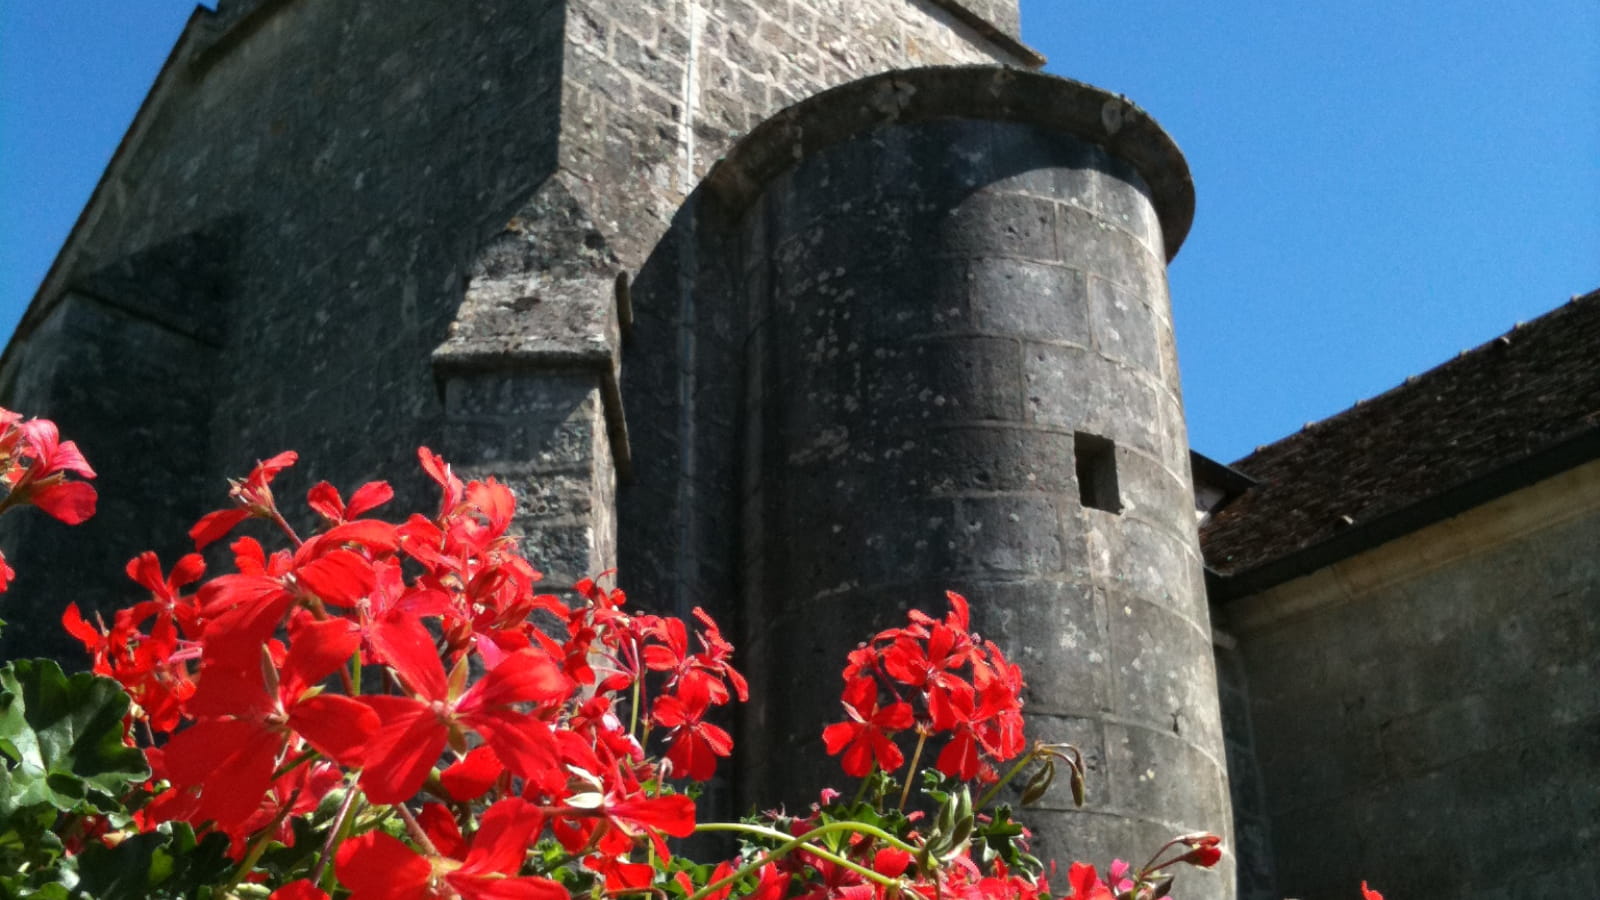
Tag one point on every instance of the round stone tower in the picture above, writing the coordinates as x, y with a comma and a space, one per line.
960, 375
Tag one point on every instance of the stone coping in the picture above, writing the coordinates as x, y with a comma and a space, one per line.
994, 93
1002, 32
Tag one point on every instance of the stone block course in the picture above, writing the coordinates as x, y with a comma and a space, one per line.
1069, 387
1149, 686
1151, 769
1057, 632
1029, 300
995, 223
1125, 329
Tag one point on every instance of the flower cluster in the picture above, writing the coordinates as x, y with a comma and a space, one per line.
34, 465
391, 711
936, 678
941, 680
399, 667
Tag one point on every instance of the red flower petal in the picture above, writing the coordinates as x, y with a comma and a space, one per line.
506, 830
299, 889
72, 620
231, 760
317, 650
773, 885
440, 826
339, 727
367, 497
324, 500
375, 866
406, 646
69, 501
472, 777
404, 750
527, 675
215, 526
672, 814
51, 455
340, 577
524, 743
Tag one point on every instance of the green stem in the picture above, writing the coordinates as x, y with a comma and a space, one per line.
792, 843
862, 790
994, 789
415, 829
283, 524
293, 764
1150, 864
911, 773
323, 874
258, 846
633, 709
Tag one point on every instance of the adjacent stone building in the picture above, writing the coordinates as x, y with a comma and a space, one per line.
805, 311
1407, 604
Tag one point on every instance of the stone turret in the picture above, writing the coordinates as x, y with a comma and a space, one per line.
959, 373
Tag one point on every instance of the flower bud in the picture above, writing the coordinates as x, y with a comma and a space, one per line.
1039, 783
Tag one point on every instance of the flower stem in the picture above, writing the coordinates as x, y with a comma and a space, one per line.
283, 525
415, 828
862, 790
911, 773
633, 708
337, 832
994, 789
803, 841
258, 846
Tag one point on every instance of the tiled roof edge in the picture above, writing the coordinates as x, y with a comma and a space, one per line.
1519, 473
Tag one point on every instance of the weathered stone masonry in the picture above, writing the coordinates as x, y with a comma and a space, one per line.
391, 197
783, 336
911, 335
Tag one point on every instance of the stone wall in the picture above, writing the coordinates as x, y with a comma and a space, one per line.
1427, 714
657, 93
1252, 829
360, 155
406, 191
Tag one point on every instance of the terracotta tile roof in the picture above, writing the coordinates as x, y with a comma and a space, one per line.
1526, 394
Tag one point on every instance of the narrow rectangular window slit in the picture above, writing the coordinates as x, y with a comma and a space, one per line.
1097, 472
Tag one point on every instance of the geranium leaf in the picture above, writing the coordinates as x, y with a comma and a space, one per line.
165, 863
62, 738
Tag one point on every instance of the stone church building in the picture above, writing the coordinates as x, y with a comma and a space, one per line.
804, 311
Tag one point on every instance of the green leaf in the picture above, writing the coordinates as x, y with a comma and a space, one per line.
62, 739
167, 862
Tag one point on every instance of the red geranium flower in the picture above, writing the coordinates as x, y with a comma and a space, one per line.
43, 482
695, 743
375, 866
251, 711
864, 740
416, 729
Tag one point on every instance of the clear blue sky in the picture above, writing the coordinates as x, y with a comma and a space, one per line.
1381, 184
